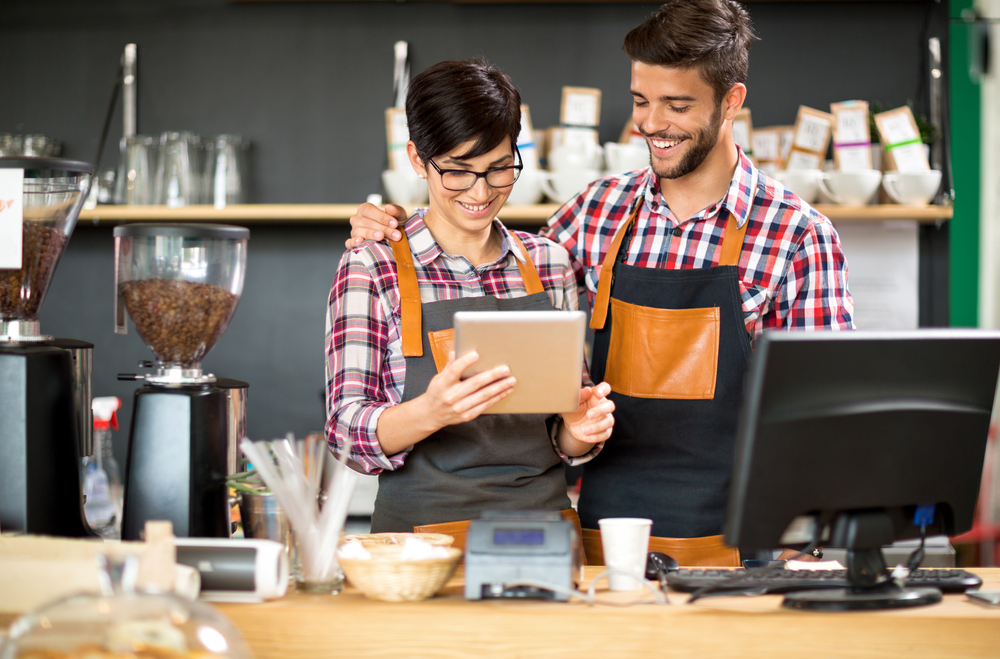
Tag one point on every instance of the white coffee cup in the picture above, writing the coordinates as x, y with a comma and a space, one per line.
625, 541
623, 158
404, 187
527, 189
912, 188
560, 186
852, 187
803, 182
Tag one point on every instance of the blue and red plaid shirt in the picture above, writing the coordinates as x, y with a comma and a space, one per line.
365, 367
792, 271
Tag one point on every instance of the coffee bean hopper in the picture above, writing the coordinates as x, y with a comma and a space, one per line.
45, 414
180, 285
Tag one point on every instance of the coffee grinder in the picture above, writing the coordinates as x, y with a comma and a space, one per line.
180, 285
45, 414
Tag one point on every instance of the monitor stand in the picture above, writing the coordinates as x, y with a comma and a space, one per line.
864, 534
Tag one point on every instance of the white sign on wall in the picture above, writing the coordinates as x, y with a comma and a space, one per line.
11, 218
883, 273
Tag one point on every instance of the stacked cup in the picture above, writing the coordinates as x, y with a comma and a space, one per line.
572, 166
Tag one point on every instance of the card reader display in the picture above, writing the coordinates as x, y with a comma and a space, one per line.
519, 537
505, 549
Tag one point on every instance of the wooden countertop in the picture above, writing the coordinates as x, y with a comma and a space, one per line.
349, 625
512, 215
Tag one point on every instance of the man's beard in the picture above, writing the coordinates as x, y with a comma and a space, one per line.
701, 145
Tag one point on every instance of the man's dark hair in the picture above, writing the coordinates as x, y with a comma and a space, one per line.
713, 36
453, 102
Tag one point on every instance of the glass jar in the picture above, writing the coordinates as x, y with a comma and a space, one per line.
124, 623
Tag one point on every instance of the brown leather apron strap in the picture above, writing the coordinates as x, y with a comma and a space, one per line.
460, 530
529, 275
732, 242
600, 312
409, 291
705, 551
409, 297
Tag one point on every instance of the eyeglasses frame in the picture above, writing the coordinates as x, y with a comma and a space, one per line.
481, 175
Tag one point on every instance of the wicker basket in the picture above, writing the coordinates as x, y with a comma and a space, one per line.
370, 539
385, 576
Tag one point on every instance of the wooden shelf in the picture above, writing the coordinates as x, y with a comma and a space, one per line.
512, 215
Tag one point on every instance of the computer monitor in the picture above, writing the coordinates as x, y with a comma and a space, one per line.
842, 435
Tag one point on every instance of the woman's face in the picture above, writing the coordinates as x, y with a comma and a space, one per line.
469, 210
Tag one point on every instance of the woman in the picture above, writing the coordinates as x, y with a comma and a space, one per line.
411, 420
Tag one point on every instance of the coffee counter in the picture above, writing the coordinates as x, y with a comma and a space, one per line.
513, 215
350, 625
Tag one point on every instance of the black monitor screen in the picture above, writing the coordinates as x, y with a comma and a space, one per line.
843, 422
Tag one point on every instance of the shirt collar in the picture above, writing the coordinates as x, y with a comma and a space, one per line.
425, 249
738, 199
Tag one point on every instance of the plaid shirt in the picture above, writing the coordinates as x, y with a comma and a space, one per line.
365, 367
792, 272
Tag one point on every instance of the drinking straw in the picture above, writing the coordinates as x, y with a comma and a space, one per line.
293, 471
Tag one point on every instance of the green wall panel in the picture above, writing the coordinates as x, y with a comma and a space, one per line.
965, 151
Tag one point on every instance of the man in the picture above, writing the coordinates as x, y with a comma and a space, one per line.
684, 263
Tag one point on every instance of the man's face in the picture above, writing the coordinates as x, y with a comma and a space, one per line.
675, 110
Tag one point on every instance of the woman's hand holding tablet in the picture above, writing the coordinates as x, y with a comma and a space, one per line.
449, 399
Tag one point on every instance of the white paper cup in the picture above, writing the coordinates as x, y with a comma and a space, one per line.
625, 541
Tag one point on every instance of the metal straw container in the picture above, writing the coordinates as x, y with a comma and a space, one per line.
263, 518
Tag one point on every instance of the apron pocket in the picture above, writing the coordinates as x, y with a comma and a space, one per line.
663, 353
442, 342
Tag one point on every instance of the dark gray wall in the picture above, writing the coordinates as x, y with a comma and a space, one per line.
308, 82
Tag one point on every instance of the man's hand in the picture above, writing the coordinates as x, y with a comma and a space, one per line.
592, 422
371, 222
794, 554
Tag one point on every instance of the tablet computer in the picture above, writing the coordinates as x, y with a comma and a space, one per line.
544, 350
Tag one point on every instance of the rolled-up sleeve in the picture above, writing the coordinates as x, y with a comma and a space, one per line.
365, 369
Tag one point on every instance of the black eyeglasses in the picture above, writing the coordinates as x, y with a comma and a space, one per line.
457, 180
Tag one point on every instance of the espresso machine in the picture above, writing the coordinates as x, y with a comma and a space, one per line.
45, 413
180, 285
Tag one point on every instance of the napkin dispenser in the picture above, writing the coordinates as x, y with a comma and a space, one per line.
236, 570
516, 554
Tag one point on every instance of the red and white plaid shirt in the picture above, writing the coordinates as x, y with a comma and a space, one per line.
365, 367
792, 271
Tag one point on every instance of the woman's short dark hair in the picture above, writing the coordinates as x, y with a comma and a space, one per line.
454, 102
713, 36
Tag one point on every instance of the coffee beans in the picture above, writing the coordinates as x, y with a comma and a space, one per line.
21, 290
179, 320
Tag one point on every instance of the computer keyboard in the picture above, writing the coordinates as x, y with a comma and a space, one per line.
780, 580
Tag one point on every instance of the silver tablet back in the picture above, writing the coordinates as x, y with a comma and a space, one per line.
544, 350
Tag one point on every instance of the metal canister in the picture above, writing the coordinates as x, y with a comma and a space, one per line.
263, 518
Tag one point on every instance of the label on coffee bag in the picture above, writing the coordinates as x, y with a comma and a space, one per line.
851, 137
581, 106
743, 131
397, 135
11, 218
526, 141
631, 135
904, 150
767, 148
810, 140
121, 323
